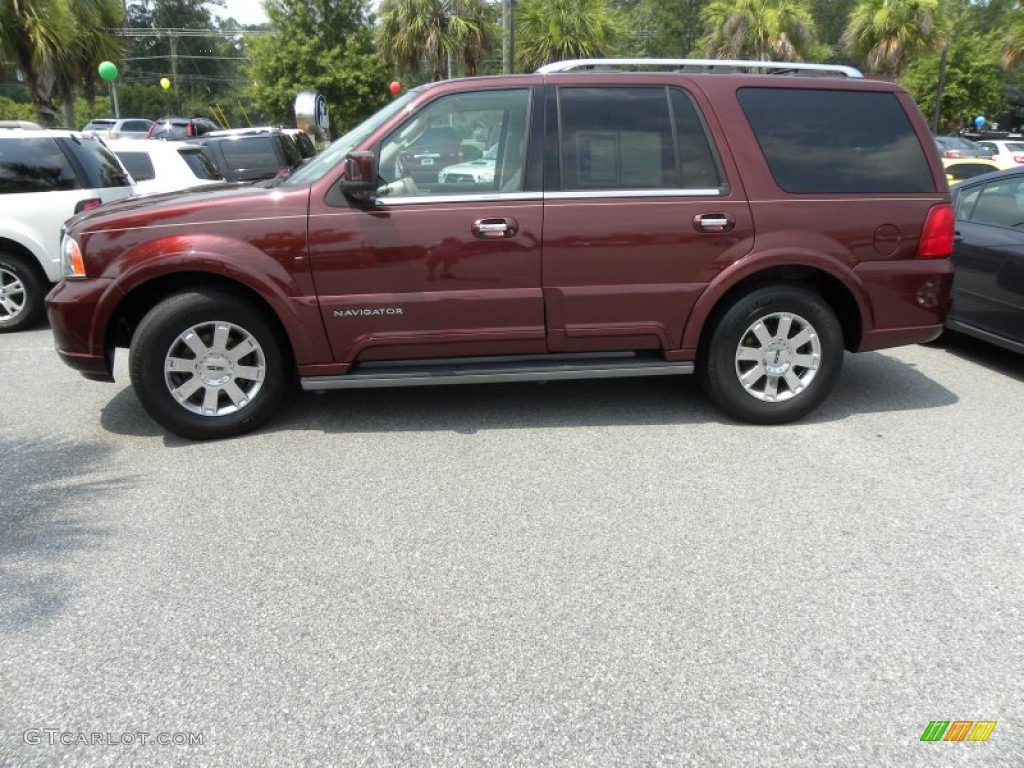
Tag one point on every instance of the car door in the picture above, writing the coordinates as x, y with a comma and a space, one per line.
638, 216
988, 284
430, 268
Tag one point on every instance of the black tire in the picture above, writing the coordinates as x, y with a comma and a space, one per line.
22, 294
205, 370
802, 356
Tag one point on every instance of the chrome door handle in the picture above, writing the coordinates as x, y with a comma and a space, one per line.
494, 229
714, 222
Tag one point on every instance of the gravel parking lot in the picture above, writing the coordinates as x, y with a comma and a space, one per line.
577, 573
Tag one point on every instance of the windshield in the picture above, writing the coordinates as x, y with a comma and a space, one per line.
317, 167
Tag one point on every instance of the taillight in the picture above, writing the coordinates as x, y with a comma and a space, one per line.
1018, 158
88, 205
952, 153
937, 237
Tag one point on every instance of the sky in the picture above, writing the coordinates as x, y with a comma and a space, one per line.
244, 11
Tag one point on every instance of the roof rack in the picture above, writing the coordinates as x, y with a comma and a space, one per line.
704, 65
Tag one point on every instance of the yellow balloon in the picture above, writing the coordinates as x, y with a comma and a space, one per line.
165, 83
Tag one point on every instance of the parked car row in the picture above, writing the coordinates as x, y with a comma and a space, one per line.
47, 176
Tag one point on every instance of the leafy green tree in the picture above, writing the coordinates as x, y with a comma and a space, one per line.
885, 36
661, 28
973, 84
322, 45
830, 18
434, 33
552, 30
762, 30
32, 35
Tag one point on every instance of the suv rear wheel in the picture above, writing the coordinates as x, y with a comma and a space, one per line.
207, 364
773, 356
21, 294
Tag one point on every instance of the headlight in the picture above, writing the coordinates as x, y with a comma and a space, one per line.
71, 261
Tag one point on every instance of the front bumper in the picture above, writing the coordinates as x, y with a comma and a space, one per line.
77, 313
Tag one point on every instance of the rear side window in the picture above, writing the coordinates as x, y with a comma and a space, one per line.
169, 131
34, 165
836, 141
250, 153
102, 168
201, 165
653, 138
138, 164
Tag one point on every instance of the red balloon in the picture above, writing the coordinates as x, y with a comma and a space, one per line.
395, 87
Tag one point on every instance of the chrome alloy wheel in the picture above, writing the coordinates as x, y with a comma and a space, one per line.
215, 368
778, 357
12, 295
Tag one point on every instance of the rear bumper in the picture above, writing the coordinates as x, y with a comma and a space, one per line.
73, 308
909, 301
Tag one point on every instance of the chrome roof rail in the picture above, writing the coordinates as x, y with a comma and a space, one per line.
704, 65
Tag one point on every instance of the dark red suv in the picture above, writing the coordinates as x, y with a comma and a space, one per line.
746, 226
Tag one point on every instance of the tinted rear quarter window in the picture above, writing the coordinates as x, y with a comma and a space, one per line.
837, 141
102, 168
201, 165
34, 165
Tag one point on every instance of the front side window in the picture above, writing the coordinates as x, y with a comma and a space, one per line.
635, 138
138, 165
34, 165
837, 141
463, 143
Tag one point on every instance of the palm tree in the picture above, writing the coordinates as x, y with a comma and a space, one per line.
87, 46
551, 30
1013, 40
762, 30
32, 35
885, 35
435, 32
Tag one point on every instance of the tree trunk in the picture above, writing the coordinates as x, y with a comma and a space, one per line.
41, 88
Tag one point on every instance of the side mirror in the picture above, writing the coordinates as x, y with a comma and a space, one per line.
360, 182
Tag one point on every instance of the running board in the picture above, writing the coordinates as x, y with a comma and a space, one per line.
425, 373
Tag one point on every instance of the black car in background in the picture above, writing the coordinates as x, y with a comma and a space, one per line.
988, 284
251, 154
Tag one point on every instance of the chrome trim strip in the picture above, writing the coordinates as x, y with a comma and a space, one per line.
497, 372
494, 198
632, 193
192, 223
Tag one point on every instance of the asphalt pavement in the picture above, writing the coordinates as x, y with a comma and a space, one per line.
572, 574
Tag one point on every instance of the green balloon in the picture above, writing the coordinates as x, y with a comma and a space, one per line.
108, 70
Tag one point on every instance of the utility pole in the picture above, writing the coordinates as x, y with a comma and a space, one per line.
508, 54
174, 68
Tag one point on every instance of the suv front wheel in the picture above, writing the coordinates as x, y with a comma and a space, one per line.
773, 356
207, 364
21, 294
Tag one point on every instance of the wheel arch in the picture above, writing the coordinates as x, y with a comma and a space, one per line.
842, 291
138, 301
26, 254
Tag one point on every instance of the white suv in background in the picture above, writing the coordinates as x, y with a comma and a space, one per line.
46, 176
165, 166
1007, 153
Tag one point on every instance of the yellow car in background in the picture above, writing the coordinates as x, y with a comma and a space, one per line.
958, 169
